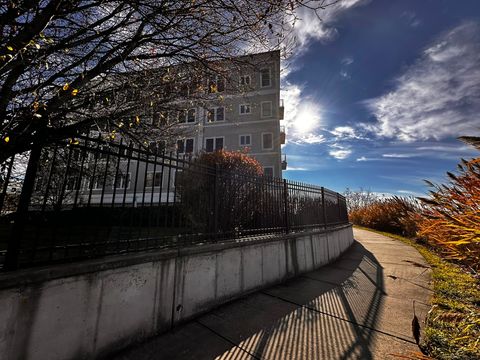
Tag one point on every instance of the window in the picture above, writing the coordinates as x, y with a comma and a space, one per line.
156, 147
266, 108
216, 83
185, 146
265, 78
245, 140
191, 115
213, 144
103, 152
161, 118
98, 182
245, 80
123, 181
187, 116
216, 114
267, 141
71, 183
245, 109
154, 179
268, 171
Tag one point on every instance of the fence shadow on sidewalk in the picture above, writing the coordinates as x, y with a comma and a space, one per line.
325, 314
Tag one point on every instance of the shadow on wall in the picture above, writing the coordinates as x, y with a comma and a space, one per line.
320, 315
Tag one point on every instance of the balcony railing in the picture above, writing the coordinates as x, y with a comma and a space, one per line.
284, 162
281, 110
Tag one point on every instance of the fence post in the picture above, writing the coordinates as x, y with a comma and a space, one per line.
6, 181
339, 208
285, 203
324, 208
215, 202
13, 247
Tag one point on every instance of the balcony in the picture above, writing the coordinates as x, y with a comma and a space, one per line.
284, 162
281, 110
282, 135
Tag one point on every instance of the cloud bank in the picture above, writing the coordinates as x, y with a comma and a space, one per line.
439, 95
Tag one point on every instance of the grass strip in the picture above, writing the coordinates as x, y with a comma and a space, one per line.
452, 329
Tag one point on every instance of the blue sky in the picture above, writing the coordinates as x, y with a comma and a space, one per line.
376, 94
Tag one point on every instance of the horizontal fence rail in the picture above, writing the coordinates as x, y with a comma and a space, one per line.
88, 198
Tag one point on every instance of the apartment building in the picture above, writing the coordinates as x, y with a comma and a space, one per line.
239, 110
243, 113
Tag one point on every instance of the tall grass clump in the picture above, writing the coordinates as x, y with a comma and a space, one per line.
450, 221
397, 215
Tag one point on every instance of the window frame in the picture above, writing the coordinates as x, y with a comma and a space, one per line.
263, 141
245, 107
244, 135
216, 81
243, 77
119, 176
261, 109
214, 143
215, 112
153, 179
185, 145
269, 77
269, 167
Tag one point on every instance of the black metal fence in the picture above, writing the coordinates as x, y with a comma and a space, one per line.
89, 198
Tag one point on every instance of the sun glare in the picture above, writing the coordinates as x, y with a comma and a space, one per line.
308, 119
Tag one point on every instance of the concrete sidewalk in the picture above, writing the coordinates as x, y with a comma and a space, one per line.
359, 307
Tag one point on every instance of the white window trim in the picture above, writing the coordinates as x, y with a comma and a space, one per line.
269, 167
194, 116
245, 76
185, 145
129, 174
245, 113
240, 140
263, 145
153, 179
184, 114
261, 109
215, 108
269, 75
217, 78
214, 140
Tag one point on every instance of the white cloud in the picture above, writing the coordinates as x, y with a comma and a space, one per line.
438, 96
309, 25
346, 61
398, 156
296, 168
345, 132
364, 158
410, 193
303, 114
340, 154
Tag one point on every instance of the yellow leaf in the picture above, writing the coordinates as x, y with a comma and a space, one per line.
74, 92
65, 87
137, 119
37, 46
10, 48
7, 139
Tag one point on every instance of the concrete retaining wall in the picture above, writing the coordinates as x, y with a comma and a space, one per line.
89, 309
